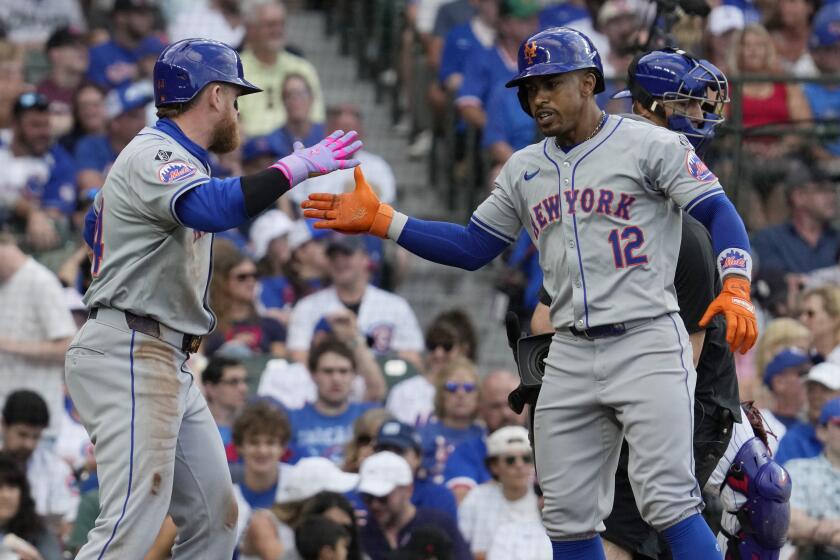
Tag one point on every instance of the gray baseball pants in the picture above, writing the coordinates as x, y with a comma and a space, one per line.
156, 445
638, 386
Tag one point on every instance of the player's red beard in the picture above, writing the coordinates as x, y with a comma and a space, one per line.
225, 136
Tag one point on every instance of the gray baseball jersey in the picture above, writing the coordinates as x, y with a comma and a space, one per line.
605, 218
146, 261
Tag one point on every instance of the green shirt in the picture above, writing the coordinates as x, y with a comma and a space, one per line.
264, 112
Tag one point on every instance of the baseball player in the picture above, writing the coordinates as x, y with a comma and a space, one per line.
600, 198
151, 230
670, 88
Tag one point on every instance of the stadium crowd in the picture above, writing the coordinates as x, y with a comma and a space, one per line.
351, 430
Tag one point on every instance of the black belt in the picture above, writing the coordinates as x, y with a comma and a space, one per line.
606, 331
186, 342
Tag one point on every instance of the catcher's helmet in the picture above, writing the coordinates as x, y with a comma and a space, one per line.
672, 76
185, 67
555, 51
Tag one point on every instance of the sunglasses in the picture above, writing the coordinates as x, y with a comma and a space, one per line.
364, 440
510, 460
447, 346
32, 99
452, 387
243, 276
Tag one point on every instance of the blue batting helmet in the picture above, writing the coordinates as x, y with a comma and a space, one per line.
672, 76
555, 51
185, 67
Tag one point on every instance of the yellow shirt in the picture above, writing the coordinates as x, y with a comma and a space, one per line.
264, 112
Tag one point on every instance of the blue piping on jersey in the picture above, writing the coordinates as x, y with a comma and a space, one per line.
207, 289
695, 490
492, 230
131, 451
701, 197
179, 193
169, 128
574, 216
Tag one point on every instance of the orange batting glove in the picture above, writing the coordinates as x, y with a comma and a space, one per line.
735, 305
359, 211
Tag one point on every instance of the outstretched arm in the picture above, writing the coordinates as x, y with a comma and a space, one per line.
221, 204
469, 247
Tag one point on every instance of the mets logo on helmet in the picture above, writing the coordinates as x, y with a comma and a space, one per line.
698, 169
531, 51
175, 171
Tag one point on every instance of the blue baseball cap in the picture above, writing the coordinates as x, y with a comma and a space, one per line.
825, 29
396, 434
128, 97
788, 358
830, 412
258, 146
152, 45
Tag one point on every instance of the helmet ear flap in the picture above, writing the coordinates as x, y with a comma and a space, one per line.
523, 100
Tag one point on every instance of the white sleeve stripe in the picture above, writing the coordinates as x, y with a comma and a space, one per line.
492, 231
705, 196
180, 193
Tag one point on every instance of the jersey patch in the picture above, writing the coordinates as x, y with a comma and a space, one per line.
698, 169
163, 155
175, 171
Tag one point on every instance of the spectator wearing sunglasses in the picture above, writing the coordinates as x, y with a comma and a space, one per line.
37, 187
240, 332
413, 401
455, 419
225, 383
386, 487
508, 499
402, 439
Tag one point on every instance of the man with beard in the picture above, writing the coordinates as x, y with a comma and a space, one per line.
114, 63
151, 225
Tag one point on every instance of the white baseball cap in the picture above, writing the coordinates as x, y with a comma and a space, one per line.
507, 440
725, 18
382, 472
825, 373
267, 228
312, 475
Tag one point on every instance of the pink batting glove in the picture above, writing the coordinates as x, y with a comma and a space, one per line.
326, 156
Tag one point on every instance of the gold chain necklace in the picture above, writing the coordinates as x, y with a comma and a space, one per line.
601, 122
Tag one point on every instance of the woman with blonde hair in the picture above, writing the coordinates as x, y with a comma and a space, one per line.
820, 313
360, 446
779, 334
455, 419
766, 103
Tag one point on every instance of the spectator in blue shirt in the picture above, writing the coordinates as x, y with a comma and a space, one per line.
815, 496
824, 99
385, 485
784, 377
508, 128
296, 94
807, 241
114, 62
225, 382
800, 441
456, 414
403, 440
486, 68
477, 34
125, 107
37, 187
260, 433
466, 467
322, 428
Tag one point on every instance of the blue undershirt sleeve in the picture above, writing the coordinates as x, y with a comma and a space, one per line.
90, 226
215, 206
722, 221
455, 245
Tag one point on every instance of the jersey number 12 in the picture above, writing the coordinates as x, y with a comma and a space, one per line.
633, 238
